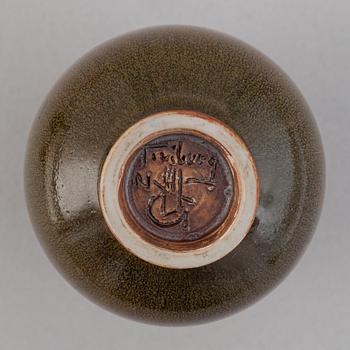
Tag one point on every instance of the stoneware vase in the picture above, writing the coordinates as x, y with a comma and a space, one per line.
174, 175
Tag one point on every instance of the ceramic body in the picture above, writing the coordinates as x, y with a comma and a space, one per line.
139, 75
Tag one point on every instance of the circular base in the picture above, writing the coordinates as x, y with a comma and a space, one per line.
179, 189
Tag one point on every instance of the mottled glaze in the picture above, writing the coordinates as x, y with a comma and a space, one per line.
140, 74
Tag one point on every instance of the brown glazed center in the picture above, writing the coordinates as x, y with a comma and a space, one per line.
178, 190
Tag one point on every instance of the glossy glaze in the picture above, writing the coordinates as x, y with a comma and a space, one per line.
151, 71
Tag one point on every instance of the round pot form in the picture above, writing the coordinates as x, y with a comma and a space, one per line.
174, 175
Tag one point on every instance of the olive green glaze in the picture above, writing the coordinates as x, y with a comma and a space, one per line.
137, 75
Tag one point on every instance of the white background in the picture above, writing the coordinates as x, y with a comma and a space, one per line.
310, 40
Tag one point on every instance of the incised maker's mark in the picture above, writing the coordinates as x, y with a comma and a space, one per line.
179, 187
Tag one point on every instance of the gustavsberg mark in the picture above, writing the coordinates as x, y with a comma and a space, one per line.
175, 176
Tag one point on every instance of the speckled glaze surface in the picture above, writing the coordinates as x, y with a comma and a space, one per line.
135, 76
